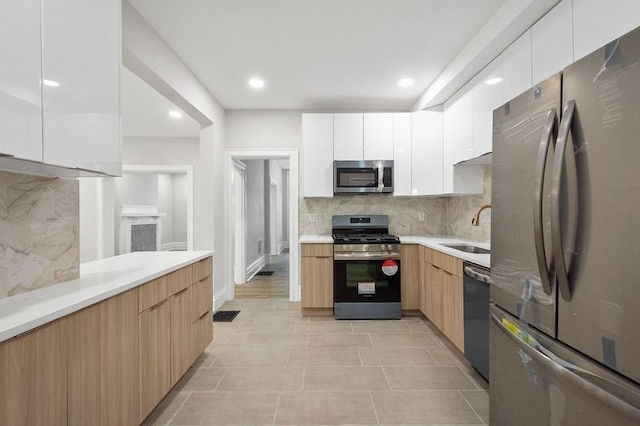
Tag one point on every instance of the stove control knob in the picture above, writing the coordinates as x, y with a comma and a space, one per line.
382, 247
389, 247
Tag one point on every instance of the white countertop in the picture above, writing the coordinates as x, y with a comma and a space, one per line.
98, 281
435, 242
432, 241
316, 239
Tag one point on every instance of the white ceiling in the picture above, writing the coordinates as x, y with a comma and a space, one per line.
316, 54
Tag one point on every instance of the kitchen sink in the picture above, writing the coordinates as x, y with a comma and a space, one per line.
468, 248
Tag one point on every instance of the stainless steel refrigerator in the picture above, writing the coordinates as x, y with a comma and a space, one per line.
565, 247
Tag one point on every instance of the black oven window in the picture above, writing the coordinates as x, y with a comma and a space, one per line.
365, 272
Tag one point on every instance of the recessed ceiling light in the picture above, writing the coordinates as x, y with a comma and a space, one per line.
404, 82
256, 83
494, 80
50, 83
175, 114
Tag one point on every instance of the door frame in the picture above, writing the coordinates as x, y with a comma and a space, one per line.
294, 258
239, 222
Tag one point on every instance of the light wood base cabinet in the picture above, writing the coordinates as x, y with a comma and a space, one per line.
441, 298
103, 370
33, 377
317, 275
410, 281
113, 362
155, 361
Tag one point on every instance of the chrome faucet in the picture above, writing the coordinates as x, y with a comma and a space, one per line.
476, 219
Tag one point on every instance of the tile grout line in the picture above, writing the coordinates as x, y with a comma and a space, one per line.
275, 414
470, 406
373, 404
180, 408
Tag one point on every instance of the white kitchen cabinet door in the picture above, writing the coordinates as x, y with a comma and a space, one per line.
461, 111
317, 155
20, 76
552, 42
516, 67
426, 147
81, 53
348, 139
486, 96
598, 22
378, 136
402, 154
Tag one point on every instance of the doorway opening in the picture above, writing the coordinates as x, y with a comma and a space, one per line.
260, 210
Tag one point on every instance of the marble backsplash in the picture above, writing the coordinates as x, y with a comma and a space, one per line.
407, 215
39, 223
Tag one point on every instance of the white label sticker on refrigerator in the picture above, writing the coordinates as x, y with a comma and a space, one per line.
367, 287
389, 267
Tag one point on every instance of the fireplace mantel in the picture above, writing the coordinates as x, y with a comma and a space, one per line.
135, 215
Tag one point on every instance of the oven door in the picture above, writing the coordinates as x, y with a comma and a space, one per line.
366, 280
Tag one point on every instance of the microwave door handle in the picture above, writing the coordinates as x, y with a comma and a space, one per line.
545, 268
380, 167
556, 181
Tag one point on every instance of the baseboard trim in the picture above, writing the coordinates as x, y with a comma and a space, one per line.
219, 298
282, 247
255, 267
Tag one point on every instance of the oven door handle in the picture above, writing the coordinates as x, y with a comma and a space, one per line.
365, 256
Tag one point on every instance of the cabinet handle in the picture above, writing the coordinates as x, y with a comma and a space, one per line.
157, 305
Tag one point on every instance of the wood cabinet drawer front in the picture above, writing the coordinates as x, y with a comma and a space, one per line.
410, 276
451, 264
180, 279
201, 298
202, 269
202, 334
317, 250
152, 293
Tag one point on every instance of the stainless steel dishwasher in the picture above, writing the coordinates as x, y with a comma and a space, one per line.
476, 317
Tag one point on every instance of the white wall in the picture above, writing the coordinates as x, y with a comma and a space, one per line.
166, 207
263, 129
179, 208
161, 151
138, 189
255, 212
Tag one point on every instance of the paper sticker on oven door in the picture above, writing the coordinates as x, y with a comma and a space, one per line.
389, 267
367, 287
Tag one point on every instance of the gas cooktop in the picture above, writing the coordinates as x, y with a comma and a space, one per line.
365, 238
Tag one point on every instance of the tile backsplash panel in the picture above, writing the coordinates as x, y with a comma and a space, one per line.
39, 220
441, 215
462, 209
404, 213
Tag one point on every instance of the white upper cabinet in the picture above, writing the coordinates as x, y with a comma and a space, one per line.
81, 115
317, 155
426, 146
348, 139
598, 22
378, 136
402, 153
486, 96
20, 76
552, 42
516, 67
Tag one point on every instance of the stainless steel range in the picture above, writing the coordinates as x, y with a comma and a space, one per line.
366, 268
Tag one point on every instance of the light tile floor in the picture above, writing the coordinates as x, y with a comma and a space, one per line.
271, 366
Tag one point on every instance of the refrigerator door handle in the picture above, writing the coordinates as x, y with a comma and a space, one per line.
556, 180
622, 400
546, 269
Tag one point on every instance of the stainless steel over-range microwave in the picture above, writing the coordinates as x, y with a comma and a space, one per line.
362, 177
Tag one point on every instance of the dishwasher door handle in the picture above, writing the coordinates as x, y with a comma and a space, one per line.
477, 275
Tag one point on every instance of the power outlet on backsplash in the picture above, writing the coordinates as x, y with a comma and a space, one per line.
421, 216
